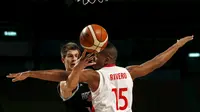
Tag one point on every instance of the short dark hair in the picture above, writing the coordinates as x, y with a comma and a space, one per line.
112, 50
69, 46
110, 45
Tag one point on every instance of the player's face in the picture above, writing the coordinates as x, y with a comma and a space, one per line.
100, 61
70, 59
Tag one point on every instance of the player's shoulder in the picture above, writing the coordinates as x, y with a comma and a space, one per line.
119, 67
89, 72
89, 75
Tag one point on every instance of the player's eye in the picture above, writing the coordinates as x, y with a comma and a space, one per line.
76, 55
69, 55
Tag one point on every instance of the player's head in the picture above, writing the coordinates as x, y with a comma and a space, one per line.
70, 52
107, 56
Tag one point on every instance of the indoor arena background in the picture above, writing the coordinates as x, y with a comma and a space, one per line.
140, 30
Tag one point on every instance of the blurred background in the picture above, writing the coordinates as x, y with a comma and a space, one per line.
32, 31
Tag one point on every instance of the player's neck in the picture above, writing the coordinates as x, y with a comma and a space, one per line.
110, 65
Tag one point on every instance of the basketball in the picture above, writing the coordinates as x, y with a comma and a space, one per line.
93, 38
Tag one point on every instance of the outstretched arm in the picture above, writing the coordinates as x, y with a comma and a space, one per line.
69, 80
49, 75
157, 61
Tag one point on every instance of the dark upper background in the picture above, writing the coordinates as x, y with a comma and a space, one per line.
139, 29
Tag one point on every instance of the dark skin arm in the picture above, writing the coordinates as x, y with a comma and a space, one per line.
78, 73
86, 75
55, 75
71, 79
89, 75
68, 80
158, 61
76, 76
49, 75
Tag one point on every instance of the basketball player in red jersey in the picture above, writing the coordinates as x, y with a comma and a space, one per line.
111, 85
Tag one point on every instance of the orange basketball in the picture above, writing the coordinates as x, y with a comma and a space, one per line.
94, 38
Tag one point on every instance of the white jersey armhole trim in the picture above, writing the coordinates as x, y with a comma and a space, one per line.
100, 84
65, 99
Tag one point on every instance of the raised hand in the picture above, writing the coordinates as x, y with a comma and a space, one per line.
85, 60
18, 76
184, 40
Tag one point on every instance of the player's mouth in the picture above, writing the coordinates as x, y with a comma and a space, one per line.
73, 64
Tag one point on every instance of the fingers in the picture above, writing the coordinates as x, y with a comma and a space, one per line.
89, 55
15, 80
15, 77
186, 39
189, 37
92, 63
12, 75
90, 58
84, 53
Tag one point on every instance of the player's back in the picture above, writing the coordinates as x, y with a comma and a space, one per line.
114, 93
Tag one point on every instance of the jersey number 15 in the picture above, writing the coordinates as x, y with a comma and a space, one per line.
118, 94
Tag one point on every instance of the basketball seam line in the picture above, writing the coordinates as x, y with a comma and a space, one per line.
92, 37
96, 38
91, 34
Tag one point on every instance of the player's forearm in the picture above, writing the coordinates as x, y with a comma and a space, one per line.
163, 57
73, 78
50, 75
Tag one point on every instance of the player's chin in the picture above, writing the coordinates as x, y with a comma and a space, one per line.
72, 65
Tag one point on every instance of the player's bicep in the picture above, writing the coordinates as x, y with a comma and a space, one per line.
136, 71
86, 75
91, 77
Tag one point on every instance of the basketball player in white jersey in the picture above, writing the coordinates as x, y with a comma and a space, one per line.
111, 85
113, 91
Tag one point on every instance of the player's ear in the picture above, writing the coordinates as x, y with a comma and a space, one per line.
108, 58
63, 60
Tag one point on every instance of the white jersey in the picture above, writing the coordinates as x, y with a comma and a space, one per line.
114, 93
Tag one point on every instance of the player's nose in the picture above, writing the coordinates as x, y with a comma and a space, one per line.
74, 58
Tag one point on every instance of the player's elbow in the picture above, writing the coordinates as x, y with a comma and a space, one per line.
155, 64
65, 91
143, 71
146, 72
65, 95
